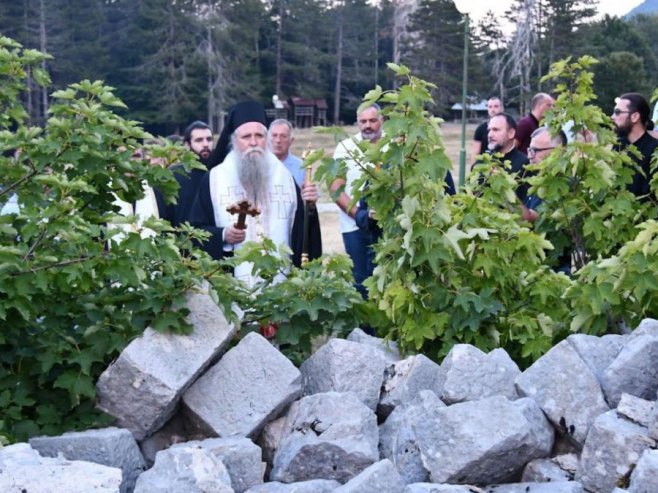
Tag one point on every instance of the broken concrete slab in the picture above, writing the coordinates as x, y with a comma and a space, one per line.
344, 366
566, 390
112, 447
330, 435
249, 386
143, 386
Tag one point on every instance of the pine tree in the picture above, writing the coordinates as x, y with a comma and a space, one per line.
433, 49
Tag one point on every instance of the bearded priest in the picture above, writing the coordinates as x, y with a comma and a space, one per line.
251, 172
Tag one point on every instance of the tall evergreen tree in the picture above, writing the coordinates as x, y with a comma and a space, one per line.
433, 49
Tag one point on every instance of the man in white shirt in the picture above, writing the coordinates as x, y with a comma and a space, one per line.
358, 244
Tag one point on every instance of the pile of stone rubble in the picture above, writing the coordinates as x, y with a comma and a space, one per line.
193, 415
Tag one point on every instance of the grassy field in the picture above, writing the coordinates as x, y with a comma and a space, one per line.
331, 239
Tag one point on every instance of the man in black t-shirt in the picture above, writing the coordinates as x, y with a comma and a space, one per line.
631, 119
480, 140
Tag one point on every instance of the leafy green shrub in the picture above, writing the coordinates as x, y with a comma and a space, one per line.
72, 295
452, 269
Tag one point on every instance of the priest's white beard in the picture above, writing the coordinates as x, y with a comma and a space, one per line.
254, 168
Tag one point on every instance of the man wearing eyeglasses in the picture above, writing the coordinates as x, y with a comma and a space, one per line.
541, 144
631, 120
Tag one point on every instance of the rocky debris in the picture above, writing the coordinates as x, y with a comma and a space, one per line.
397, 438
634, 409
185, 469
330, 435
241, 457
441, 488
613, 447
548, 470
345, 366
249, 386
404, 379
313, 486
634, 371
566, 390
644, 478
553, 487
112, 447
172, 432
381, 477
23, 470
143, 386
483, 442
389, 349
471, 374
329, 439
653, 422
597, 352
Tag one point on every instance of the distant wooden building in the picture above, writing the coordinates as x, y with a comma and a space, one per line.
308, 112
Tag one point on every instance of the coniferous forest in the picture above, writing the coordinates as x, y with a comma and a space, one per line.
173, 61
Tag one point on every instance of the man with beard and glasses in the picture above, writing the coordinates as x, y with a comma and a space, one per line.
198, 138
252, 172
631, 120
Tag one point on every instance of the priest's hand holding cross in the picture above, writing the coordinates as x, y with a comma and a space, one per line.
235, 233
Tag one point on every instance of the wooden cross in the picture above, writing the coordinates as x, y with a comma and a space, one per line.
242, 208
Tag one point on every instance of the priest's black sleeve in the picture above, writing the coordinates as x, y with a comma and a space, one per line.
202, 216
165, 211
297, 234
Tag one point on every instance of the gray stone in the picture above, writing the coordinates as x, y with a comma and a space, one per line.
19, 454
635, 409
313, 486
653, 422
241, 457
344, 366
249, 386
647, 327
183, 469
112, 447
172, 432
381, 477
483, 442
644, 478
23, 470
404, 379
389, 349
565, 389
397, 439
441, 488
597, 352
329, 436
634, 370
269, 438
545, 470
553, 487
143, 386
613, 446
471, 374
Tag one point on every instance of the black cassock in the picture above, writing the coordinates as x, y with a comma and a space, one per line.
189, 184
202, 216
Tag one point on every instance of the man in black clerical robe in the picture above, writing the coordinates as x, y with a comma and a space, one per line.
253, 173
198, 138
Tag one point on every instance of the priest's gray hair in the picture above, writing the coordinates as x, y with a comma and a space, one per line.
234, 138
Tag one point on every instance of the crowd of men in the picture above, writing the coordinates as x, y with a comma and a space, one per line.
251, 186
